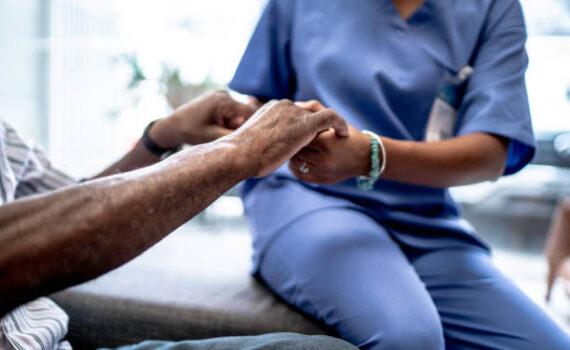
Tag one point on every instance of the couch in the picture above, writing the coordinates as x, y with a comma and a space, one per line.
188, 286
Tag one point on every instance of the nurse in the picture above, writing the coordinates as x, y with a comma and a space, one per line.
386, 259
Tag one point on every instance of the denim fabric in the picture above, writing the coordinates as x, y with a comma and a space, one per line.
274, 341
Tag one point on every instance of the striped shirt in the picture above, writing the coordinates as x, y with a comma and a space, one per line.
25, 171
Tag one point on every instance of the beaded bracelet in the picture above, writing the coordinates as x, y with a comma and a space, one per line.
367, 182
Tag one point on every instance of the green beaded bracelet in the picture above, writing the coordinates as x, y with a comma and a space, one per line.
367, 182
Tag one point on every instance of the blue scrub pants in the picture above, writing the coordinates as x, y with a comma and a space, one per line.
340, 266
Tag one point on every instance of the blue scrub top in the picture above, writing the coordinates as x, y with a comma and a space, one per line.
382, 73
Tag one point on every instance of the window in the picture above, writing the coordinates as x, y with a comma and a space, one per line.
548, 75
67, 67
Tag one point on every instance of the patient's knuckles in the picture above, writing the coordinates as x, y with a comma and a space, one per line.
314, 106
285, 103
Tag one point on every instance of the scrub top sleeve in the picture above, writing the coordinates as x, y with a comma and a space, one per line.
496, 100
265, 69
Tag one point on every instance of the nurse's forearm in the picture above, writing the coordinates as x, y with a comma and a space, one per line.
459, 161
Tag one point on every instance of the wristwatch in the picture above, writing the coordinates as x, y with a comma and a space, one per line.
152, 147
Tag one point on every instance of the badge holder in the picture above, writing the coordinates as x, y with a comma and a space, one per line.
443, 115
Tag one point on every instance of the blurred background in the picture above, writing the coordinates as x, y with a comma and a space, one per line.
82, 78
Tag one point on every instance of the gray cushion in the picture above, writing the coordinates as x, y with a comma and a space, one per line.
189, 286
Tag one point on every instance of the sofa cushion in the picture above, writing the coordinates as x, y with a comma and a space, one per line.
188, 286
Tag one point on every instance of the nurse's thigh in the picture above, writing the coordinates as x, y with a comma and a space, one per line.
480, 308
341, 267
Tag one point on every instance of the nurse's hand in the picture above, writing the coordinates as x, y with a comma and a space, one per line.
280, 129
329, 158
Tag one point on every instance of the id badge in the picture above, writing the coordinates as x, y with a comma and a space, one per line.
443, 114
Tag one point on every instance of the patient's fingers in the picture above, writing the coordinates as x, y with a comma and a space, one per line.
319, 143
235, 123
254, 102
221, 132
245, 110
234, 114
327, 118
312, 105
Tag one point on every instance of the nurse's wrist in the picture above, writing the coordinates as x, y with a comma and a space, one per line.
375, 149
364, 154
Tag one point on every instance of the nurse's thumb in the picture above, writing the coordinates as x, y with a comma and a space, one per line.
326, 119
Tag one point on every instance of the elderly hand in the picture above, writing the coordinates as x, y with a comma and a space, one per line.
278, 130
330, 159
201, 120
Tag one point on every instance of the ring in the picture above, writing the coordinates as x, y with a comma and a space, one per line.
304, 168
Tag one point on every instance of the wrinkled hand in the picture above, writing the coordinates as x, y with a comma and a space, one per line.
331, 159
278, 130
202, 120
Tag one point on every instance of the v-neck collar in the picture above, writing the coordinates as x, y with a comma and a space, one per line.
398, 20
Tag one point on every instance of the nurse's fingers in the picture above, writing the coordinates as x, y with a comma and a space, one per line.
308, 155
300, 165
308, 172
305, 167
305, 174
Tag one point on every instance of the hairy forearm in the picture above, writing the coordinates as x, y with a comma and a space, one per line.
63, 238
463, 160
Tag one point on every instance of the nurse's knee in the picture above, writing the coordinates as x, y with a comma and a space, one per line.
342, 239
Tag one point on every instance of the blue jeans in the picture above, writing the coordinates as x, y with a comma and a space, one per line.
274, 341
